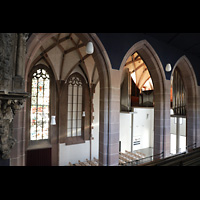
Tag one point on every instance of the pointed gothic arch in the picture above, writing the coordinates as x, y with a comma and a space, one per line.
161, 112
190, 84
103, 66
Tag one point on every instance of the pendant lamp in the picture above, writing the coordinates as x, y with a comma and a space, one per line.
53, 120
168, 67
90, 48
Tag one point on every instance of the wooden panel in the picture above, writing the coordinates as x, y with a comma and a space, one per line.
39, 157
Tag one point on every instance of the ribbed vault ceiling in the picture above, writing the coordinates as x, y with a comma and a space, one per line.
139, 72
64, 52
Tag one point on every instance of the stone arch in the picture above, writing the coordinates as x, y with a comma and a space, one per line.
103, 66
190, 84
161, 94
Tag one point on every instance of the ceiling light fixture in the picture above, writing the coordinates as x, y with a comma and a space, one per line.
53, 120
168, 67
90, 48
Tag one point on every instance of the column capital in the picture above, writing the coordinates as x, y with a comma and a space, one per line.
9, 104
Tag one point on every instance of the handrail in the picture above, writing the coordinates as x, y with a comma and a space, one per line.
191, 145
186, 149
183, 159
179, 156
139, 161
153, 157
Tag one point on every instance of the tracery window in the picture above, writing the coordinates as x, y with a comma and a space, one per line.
75, 106
40, 102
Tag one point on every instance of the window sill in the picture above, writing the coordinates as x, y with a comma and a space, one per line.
74, 140
40, 144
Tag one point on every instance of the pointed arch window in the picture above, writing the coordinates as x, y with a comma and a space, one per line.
75, 110
75, 106
40, 105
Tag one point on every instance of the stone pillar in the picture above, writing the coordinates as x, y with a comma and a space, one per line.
114, 119
198, 117
166, 119
103, 126
190, 119
12, 57
17, 156
7, 112
109, 122
162, 121
177, 134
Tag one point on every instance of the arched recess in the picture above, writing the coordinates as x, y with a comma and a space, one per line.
103, 67
161, 106
190, 84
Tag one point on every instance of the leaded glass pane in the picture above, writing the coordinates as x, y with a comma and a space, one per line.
69, 99
79, 107
46, 83
75, 90
34, 92
70, 90
69, 124
69, 116
69, 132
46, 109
74, 107
34, 82
45, 135
70, 107
79, 123
79, 115
78, 131
46, 100
33, 135
79, 99
80, 91
74, 115
74, 99
40, 100
74, 131
40, 94
46, 92
34, 101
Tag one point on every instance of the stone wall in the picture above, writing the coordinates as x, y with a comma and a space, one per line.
12, 55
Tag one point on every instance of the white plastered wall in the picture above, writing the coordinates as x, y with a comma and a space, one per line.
143, 129
73, 153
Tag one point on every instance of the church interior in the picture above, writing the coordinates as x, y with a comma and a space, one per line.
99, 99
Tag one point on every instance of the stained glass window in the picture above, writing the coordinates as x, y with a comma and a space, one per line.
74, 119
40, 92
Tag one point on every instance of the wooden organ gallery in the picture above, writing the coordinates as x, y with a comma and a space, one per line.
114, 104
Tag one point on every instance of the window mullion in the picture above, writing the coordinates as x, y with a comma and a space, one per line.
37, 109
43, 111
77, 112
72, 110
